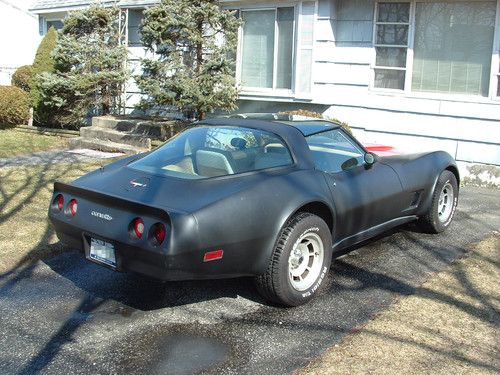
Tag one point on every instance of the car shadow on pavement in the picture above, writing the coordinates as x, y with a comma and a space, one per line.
143, 293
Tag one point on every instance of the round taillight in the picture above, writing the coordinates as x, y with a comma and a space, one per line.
137, 229
58, 203
158, 233
72, 208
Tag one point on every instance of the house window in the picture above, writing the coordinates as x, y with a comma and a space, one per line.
452, 47
448, 52
44, 25
267, 48
56, 24
135, 17
391, 43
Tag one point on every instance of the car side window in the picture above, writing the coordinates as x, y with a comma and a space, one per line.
334, 152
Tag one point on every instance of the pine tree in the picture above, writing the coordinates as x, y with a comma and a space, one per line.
193, 42
89, 66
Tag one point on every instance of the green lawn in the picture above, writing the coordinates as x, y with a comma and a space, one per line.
25, 193
14, 143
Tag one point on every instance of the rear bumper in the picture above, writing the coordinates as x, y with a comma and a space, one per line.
159, 264
128, 258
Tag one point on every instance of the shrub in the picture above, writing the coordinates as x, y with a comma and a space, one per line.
306, 113
89, 67
22, 77
44, 62
14, 106
191, 69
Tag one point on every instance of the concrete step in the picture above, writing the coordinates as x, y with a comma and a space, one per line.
155, 130
106, 146
115, 136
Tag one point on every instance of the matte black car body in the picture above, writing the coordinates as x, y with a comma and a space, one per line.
242, 214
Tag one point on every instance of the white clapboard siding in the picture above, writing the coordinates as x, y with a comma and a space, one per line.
358, 54
424, 124
132, 99
347, 74
137, 53
323, 30
478, 153
353, 31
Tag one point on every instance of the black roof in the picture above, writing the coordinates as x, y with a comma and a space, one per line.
306, 127
309, 127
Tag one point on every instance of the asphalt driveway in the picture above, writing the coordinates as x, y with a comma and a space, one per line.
66, 315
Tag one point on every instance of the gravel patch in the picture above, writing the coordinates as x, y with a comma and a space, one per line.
57, 156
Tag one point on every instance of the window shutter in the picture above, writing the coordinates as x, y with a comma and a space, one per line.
305, 44
41, 25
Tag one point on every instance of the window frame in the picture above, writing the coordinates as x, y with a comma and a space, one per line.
409, 45
44, 20
407, 91
129, 10
495, 63
239, 54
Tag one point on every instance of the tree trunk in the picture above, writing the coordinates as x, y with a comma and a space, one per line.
106, 107
199, 62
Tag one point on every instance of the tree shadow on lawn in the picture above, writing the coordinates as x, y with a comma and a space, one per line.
28, 188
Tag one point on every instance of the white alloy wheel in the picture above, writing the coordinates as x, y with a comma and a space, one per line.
306, 261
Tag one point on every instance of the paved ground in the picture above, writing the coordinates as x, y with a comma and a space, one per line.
69, 316
56, 156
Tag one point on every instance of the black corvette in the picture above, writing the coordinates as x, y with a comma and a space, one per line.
241, 197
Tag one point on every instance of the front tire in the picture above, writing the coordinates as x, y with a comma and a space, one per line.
443, 205
300, 261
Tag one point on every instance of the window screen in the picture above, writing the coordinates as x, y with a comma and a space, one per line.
268, 48
258, 48
452, 47
391, 44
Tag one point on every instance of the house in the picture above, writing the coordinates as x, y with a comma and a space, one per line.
422, 75
17, 44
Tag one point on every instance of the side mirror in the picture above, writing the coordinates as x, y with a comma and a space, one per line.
369, 159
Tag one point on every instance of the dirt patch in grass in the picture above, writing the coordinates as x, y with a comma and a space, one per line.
450, 326
25, 193
14, 143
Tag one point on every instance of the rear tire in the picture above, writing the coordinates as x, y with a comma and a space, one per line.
300, 262
443, 204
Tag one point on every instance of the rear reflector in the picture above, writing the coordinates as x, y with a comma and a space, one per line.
158, 234
213, 255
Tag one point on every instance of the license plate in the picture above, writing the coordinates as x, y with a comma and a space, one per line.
102, 252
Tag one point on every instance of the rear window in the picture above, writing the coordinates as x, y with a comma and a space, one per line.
204, 152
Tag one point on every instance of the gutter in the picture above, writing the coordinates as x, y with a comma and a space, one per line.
85, 4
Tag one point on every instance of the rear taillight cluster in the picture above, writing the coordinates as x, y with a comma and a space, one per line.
58, 206
156, 235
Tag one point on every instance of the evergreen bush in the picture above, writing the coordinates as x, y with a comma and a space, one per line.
193, 69
89, 67
14, 106
43, 115
22, 77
